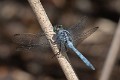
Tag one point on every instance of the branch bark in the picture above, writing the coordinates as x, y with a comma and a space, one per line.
112, 55
48, 30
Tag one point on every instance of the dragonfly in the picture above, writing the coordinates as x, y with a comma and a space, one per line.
65, 38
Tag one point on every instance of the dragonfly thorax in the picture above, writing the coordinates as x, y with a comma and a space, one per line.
63, 36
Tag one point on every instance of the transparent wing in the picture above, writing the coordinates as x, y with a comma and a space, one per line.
28, 40
84, 35
78, 28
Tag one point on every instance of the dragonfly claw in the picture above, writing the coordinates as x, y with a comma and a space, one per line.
56, 54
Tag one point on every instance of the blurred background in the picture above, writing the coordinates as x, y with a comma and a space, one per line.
16, 16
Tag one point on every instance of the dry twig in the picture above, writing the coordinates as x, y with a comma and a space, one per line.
48, 30
112, 55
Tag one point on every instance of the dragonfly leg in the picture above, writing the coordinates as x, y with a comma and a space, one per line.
52, 42
66, 49
57, 52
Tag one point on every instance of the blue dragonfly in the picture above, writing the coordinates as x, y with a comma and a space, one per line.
65, 38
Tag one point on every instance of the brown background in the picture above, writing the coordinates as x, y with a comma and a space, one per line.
16, 16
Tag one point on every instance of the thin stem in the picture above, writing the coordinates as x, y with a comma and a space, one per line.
48, 30
112, 55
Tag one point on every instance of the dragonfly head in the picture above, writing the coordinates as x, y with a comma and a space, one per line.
57, 28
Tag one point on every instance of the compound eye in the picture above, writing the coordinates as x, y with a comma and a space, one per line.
60, 26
